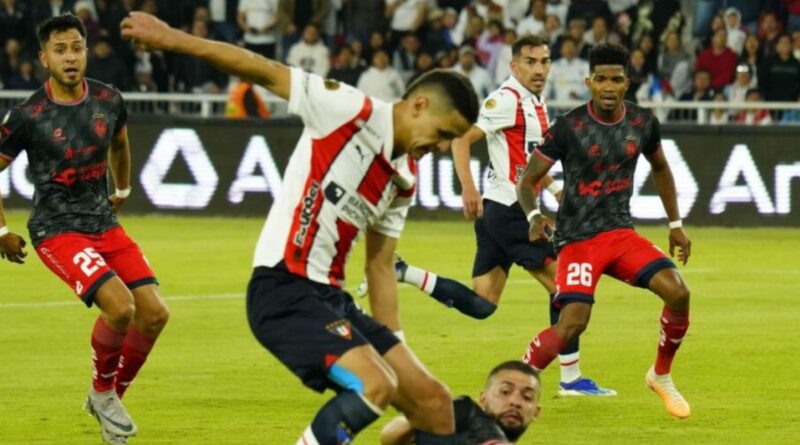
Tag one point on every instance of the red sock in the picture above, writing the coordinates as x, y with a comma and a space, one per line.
673, 328
135, 350
543, 349
106, 349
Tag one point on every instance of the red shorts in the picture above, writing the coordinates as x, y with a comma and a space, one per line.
620, 253
87, 261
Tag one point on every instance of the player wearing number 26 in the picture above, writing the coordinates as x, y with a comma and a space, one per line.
599, 145
72, 130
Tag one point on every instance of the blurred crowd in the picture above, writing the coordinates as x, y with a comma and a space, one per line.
701, 50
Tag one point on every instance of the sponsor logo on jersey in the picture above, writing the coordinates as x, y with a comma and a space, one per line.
306, 213
334, 193
594, 150
78, 287
331, 84
340, 328
58, 135
608, 187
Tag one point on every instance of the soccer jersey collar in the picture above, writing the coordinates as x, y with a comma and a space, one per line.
524, 93
83, 97
605, 122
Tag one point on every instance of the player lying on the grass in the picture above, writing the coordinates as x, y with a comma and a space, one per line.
513, 120
599, 144
350, 172
508, 404
73, 130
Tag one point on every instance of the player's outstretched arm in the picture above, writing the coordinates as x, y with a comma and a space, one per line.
12, 246
473, 207
665, 185
240, 62
526, 195
119, 158
382, 279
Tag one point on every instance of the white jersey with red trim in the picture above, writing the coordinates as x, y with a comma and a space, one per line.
514, 121
340, 180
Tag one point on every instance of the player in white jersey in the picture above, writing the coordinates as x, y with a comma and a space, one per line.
513, 119
350, 173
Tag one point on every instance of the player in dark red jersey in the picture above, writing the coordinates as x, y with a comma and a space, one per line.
505, 409
351, 172
599, 144
73, 131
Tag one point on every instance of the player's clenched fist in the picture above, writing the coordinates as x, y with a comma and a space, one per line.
541, 228
149, 30
12, 248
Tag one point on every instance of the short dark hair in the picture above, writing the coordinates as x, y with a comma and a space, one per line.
606, 54
514, 365
454, 86
527, 40
59, 23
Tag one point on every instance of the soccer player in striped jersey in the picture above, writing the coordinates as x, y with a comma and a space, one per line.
513, 119
351, 172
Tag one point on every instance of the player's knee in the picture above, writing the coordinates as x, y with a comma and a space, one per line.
120, 314
484, 308
679, 300
572, 328
154, 321
435, 400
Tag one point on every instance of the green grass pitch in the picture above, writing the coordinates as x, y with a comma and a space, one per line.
209, 382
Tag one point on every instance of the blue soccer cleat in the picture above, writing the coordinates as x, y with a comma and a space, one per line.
583, 386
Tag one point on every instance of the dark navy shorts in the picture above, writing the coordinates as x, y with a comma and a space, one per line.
502, 237
308, 325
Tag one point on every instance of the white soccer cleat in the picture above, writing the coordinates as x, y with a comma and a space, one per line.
674, 402
108, 410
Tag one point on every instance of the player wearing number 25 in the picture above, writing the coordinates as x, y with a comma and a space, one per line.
599, 145
72, 131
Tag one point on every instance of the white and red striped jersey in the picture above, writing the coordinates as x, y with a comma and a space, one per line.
340, 180
514, 121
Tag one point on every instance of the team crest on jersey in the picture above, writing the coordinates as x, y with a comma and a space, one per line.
341, 328
594, 150
58, 135
331, 84
99, 125
630, 146
490, 104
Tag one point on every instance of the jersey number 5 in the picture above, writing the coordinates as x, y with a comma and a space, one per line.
579, 274
89, 260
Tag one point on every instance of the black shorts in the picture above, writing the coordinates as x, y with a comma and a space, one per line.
309, 325
502, 237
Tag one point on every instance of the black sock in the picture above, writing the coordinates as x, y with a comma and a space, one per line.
425, 438
572, 346
343, 416
454, 294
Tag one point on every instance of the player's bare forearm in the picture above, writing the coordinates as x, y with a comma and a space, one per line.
665, 184
382, 279
240, 62
526, 186
119, 159
462, 156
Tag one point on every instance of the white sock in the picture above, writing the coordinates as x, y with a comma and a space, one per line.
423, 279
307, 438
570, 367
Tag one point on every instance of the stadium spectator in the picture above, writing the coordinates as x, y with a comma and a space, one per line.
484, 10
552, 27
224, 16
637, 75
376, 41
293, 16
779, 79
381, 80
450, 21
83, 9
559, 8
195, 76
437, 36
752, 56
310, 53
588, 10
733, 24
533, 23
24, 79
360, 18
258, 20
717, 23
106, 66
503, 69
737, 91
489, 45
598, 33
425, 63
507, 406
674, 65
575, 31
474, 29
769, 29
246, 100
345, 67
753, 117
13, 20
701, 91
405, 17
718, 60
793, 19
567, 79
150, 70
404, 59
12, 57
478, 75
647, 46
719, 116
359, 60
